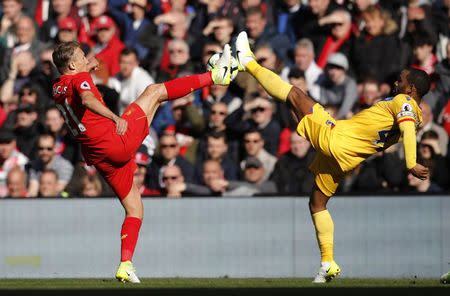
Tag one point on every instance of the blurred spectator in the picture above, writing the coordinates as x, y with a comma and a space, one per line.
304, 60
254, 146
177, 24
9, 158
260, 32
91, 186
376, 52
133, 79
63, 16
308, 24
220, 93
12, 11
133, 23
261, 112
217, 149
26, 129
23, 71
169, 176
47, 159
169, 154
108, 45
142, 159
216, 123
266, 57
16, 183
382, 172
68, 31
189, 125
80, 172
89, 10
28, 95
211, 171
429, 124
424, 58
370, 94
179, 63
338, 88
65, 144
443, 70
206, 10
339, 38
252, 184
219, 29
48, 184
287, 15
291, 173
429, 150
297, 78
25, 41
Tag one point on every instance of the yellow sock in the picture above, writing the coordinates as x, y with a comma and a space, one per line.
271, 82
324, 232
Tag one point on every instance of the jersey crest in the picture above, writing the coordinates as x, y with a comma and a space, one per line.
85, 85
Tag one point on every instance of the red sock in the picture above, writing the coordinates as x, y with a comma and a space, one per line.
129, 235
180, 87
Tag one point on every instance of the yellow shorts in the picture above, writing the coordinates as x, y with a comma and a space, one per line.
316, 128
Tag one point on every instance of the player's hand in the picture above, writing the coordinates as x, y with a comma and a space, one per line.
121, 125
420, 172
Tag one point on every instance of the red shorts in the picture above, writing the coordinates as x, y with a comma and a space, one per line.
117, 166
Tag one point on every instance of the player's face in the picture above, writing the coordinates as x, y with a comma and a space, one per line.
80, 61
401, 85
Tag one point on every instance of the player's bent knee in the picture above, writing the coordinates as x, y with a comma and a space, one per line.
157, 91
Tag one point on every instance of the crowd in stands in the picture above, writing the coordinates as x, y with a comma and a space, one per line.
222, 140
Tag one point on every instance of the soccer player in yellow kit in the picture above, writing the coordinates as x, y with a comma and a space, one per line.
342, 144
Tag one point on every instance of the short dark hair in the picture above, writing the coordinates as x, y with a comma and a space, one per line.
217, 135
255, 10
253, 130
63, 54
296, 72
431, 134
421, 81
128, 51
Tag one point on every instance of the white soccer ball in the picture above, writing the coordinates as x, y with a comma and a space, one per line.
215, 57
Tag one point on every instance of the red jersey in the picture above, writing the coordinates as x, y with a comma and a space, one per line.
88, 127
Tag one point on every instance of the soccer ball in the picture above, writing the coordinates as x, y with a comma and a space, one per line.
215, 57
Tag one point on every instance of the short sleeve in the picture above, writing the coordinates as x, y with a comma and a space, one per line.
404, 108
83, 82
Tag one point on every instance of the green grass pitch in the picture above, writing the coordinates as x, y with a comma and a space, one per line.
216, 283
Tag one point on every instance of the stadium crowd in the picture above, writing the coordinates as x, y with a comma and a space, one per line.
220, 141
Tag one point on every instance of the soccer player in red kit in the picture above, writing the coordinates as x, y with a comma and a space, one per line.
109, 142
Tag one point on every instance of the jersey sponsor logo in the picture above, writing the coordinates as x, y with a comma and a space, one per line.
85, 85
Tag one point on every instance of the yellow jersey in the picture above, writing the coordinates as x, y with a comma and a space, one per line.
372, 130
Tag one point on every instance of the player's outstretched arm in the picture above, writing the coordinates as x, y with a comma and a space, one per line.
408, 131
90, 102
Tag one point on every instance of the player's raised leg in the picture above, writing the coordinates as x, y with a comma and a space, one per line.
155, 94
301, 103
